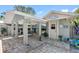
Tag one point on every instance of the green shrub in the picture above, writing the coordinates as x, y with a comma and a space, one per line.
45, 34
3, 30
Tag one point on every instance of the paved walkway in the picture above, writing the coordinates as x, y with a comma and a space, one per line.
11, 45
36, 46
52, 46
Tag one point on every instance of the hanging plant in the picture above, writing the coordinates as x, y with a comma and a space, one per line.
4, 31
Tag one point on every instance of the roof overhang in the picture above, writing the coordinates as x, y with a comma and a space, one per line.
55, 15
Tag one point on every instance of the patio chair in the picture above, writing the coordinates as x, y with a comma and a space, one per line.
74, 43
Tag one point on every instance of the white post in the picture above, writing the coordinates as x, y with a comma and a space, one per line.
25, 32
31, 27
58, 29
49, 29
0, 30
40, 31
16, 29
30, 24
1, 46
12, 29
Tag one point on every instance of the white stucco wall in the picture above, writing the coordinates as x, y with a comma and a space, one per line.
64, 28
53, 33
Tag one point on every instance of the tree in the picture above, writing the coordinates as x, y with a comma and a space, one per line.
20, 8
77, 11
27, 10
2, 16
76, 20
30, 10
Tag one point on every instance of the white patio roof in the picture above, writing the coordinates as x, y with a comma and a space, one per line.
38, 19
33, 18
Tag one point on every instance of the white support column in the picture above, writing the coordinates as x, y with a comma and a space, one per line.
1, 46
58, 29
30, 22
31, 27
25, 32
16, 29
40, 31
0, 30
12, 29
49, 29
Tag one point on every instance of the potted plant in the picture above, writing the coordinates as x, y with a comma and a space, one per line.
60, 37
45, 34
4, 31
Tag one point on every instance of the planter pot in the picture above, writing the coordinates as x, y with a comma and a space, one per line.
60, 37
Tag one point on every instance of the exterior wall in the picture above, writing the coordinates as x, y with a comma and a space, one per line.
53, 33
64, 28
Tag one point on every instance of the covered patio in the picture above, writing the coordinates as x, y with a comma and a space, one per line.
22, 25
20, 40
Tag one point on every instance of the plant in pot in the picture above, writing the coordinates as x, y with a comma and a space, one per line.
45, 34
60, 37
4, 31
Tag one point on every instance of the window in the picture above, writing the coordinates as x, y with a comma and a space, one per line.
53, 17
53, 26
65, 26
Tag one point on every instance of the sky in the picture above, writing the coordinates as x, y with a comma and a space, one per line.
42, 10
